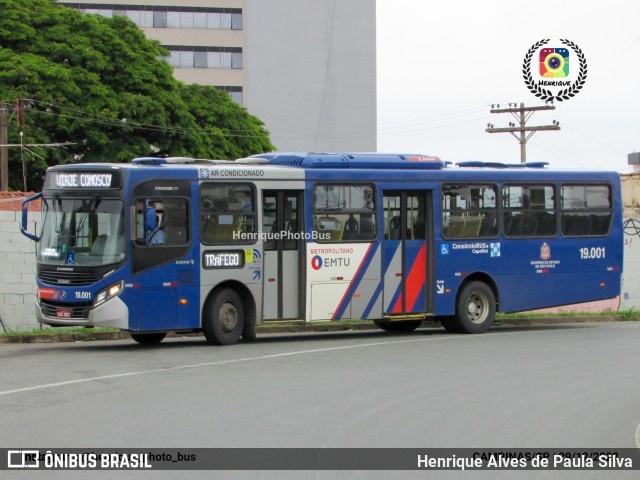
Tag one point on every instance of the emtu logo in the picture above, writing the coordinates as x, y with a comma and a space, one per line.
316, 262
554, 62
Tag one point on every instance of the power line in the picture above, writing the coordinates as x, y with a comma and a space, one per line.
522, 114
118, 122
578, 160
20, 114
593, 139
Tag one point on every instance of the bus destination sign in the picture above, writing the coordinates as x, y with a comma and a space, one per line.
81, 180
223, 259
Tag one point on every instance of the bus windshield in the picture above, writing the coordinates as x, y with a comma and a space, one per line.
82, 231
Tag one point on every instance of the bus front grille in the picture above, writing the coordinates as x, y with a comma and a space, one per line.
72, 310
67, 278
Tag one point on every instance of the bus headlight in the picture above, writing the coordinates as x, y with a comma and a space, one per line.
108, 293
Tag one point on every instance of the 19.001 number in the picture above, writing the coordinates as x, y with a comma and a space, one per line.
591, 253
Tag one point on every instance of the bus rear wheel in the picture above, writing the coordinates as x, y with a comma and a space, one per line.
475, 308
223, 320
148, 338
398, 326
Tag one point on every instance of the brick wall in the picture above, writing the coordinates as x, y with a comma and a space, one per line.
17, 271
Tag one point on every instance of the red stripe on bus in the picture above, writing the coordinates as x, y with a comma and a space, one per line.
416, 279
414, 282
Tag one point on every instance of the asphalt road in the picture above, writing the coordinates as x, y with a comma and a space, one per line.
575, 386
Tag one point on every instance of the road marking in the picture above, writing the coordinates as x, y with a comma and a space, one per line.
245, 359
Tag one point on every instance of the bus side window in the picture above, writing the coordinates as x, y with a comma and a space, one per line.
529, 210
344, 213
469, 211
161, 222
228, 213
586, 210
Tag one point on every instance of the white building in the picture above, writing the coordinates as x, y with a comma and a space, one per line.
307, 68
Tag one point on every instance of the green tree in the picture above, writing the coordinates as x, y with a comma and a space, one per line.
101, 85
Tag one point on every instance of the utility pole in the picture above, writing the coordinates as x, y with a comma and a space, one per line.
521, 114
4, 149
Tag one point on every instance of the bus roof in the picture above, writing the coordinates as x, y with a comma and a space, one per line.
350, 160
293, 165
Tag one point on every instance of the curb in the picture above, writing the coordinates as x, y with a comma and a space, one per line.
338, 327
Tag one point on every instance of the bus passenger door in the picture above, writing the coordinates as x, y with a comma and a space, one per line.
283, 248
406, 256
163, 260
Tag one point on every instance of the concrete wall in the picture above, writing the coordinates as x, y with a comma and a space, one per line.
630, 294
17, 272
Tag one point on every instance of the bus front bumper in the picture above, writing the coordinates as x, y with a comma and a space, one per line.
111, 314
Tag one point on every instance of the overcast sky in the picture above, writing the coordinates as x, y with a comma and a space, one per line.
442, 64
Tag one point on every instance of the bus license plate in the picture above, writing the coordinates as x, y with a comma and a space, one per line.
63, 312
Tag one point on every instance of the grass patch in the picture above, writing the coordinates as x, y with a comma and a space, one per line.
56, 331
631, 314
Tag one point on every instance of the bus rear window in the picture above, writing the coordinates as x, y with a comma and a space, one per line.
586, 210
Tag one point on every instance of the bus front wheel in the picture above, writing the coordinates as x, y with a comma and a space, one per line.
224, 318
475, 308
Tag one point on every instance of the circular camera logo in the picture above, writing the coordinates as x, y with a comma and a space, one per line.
561, 72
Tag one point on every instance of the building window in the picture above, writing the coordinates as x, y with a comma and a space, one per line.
236, 21
234, 92
199, 20
186, 60
236, 60
214, 60
169, 17
146, 19
237, 97
173, 19
160, 19
200, 60
205, 57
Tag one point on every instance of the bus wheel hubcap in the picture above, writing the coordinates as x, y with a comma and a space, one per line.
475, 308
228, 317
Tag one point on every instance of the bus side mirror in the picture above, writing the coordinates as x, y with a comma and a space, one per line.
25, 217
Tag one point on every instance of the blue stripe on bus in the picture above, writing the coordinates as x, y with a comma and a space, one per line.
374, 299
392, 248
357, 278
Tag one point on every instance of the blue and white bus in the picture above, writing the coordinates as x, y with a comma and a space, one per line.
182, 245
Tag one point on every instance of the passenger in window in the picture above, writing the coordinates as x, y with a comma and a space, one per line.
241, 201
155, 228
368, 199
